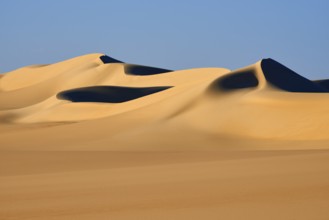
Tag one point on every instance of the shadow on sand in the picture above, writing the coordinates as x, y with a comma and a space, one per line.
132, 69
283, 78
107, 59
239, 80
108, 94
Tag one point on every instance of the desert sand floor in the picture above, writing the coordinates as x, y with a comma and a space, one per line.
164, 185
95, 138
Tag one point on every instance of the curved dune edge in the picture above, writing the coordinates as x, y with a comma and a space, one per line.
263, 101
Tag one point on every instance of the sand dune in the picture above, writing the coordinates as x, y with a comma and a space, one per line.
94, 137
263, 101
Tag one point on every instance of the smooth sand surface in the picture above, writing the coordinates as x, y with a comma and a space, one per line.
95, 138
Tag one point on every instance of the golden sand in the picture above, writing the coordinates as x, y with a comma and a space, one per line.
95, 138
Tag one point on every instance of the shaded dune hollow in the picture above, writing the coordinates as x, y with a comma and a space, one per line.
139, 70
108, 94
236, 81
133, 69
106, 59
285, 79
324, 83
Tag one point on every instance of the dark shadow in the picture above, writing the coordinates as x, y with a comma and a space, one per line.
132, 69
324, 83
286, 79
107, 59
108, 94
238, 81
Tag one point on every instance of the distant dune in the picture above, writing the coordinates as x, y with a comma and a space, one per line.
94, 137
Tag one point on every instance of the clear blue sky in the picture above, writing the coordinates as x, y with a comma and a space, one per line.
174, 34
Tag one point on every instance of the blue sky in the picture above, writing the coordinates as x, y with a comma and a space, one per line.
170, 34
